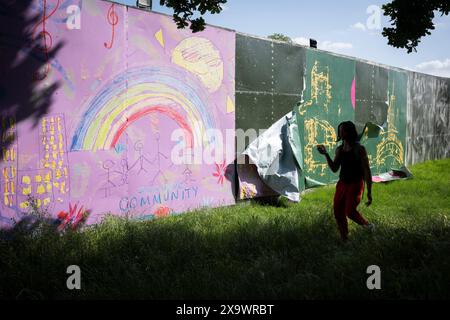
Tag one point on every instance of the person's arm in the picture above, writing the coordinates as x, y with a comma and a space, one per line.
367, 174
333, 164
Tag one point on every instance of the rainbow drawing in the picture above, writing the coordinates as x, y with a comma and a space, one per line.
136, 93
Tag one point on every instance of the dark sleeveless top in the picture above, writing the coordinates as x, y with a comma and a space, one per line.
350, 162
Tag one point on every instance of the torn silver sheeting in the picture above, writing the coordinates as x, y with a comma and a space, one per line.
273, 156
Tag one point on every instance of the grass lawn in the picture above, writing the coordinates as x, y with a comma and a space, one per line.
251, 251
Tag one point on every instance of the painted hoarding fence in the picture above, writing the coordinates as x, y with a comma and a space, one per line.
269, 82
92, 92
383, 104
327, 101
126, 80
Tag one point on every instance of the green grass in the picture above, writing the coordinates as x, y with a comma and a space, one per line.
251, 251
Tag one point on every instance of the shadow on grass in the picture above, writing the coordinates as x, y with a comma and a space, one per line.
272, 201
250, 257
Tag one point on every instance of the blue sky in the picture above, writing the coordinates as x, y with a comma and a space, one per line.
348, 27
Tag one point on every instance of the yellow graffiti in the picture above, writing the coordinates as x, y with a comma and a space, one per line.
26, 180
53, 142
320, 88
159, 37
46, 201
230, 105
9, 160
24, 205
248, 190
9, 175
26, 190
390, 146
200, 57
8, 126
8, 154
38, 189
317, 132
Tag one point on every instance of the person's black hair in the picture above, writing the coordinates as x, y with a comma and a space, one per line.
350, 129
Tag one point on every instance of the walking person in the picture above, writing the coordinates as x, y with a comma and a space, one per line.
351, 158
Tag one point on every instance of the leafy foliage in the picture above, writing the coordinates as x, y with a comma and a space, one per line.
185, 10
280, 37
412, 20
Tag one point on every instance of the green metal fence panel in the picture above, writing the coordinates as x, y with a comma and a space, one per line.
386, 107
328, 99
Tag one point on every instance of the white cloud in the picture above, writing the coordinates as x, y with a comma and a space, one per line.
334, 46
435, 67
358, 26
301, 40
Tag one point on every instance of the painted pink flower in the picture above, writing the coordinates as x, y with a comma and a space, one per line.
73, 218
220, 172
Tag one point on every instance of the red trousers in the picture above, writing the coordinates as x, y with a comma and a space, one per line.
346, 200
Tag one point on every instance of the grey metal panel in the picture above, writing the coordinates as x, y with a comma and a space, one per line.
269, 81
428, 120
371, 94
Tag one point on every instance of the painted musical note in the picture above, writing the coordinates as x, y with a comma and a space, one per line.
113, 20
46, 37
